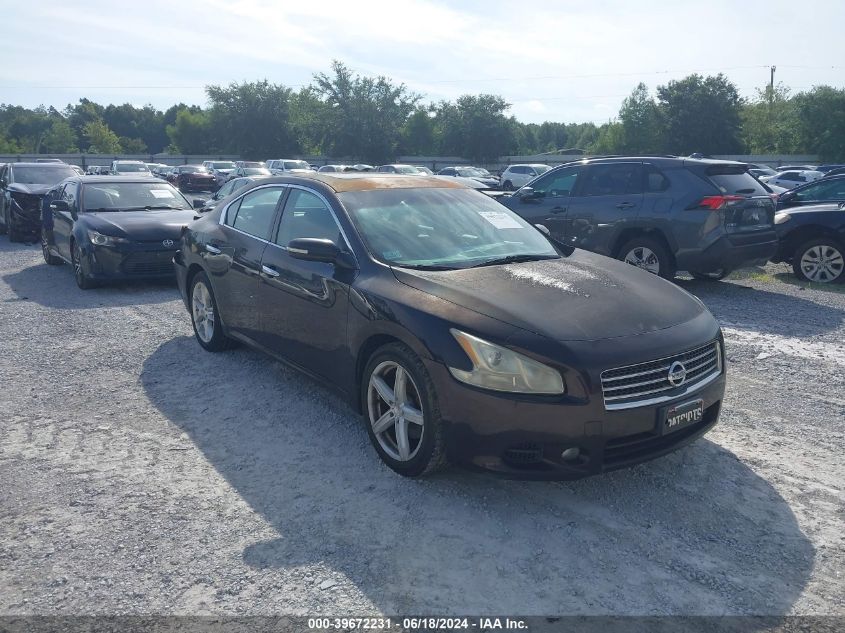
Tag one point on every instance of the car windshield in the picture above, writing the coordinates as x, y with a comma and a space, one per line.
441, 228
256, 171
405, 169
541, 169
124, 196
296, 164
194, 169
253, 164
223, 164
130, 167
46, 174
425, 170
472, 172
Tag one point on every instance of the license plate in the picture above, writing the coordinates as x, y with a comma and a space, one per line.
683, 415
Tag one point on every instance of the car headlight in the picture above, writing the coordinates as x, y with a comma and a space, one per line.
501, 369
780, 218
105, 240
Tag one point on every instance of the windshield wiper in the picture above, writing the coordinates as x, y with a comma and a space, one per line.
513, 259
151, 207
425, 266
102, 209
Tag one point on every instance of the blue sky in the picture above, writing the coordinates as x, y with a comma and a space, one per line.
561, 61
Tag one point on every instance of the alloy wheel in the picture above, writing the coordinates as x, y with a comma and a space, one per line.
76, 257
643, 257
395, 411
822, 263
202, 309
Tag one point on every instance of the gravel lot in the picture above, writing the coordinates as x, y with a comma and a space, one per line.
139, 474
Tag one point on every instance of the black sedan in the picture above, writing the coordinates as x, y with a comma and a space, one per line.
830, 189
457, 328
812, 239
114, 227
22, 189
192, 178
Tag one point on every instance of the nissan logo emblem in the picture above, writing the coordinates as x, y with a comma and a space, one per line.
677, 374
169, 243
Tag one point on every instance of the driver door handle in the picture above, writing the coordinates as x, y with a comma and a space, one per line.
272, 272
625, 205
212, 249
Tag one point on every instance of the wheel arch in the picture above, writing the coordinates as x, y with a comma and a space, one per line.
630, 233
802, 234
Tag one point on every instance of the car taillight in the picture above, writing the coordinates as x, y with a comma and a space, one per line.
715, 203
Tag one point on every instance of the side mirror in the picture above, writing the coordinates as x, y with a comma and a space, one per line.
319, 250
527, 193
199, 203
544, 229
59, 205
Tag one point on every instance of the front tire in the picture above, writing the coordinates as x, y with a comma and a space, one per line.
507, 186
78, 259
205, 317
649, 254
51, 259
401, 412
820, 260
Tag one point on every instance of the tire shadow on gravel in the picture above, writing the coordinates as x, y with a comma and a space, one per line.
749, 308
695, 532
55, 287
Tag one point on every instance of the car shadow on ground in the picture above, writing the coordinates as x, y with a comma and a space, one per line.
745, 307
695, 532
55, 287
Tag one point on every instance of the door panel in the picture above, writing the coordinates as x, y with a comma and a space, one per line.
550, 203
303, 305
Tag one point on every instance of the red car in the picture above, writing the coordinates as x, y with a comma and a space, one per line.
192, 178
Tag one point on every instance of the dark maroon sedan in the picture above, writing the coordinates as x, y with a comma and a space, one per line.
193, 178
459, 330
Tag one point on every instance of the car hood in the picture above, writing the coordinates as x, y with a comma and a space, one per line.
36, 190
142, 226
582, 297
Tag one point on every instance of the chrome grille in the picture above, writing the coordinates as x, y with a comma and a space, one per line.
648, 383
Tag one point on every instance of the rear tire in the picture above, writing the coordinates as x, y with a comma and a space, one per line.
649, 254
403, 422
51, 259
507, 186
205, 316
714, 276
820, 260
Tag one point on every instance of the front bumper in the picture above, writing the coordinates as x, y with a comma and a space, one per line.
730, 252
525, 437
26, 215
130, 261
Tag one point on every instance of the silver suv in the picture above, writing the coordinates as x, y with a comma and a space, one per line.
517, 176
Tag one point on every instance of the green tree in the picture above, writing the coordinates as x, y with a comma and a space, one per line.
132, 145
770, 123
701, 115
191, 133
252, 119
60, 138
610, 139
641, 125
475, 127
367, 114
821, 122
418, 134
101, 140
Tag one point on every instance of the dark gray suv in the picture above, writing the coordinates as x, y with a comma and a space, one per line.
662, 214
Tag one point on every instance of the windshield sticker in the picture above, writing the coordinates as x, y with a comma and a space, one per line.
500, 219
161, 193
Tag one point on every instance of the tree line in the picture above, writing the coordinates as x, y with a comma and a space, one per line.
374, 119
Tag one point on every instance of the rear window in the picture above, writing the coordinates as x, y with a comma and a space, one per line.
730, 180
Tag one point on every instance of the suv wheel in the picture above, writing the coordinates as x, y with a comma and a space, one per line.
649, 254
820, 260
507, 186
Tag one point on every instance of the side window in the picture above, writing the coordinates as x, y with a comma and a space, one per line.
519, 169
69, 195
558, 184
655, 181
449, 172
306, 215
613, 180
255, 212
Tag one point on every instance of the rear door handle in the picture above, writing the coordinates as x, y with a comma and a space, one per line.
212, 249
625, 205
272, 272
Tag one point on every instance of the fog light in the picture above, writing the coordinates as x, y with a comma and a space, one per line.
570, 453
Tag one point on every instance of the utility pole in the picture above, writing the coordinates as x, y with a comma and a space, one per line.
772, 70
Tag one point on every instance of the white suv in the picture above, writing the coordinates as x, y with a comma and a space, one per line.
517, 176
281, 165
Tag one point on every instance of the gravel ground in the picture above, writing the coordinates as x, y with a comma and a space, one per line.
141, 475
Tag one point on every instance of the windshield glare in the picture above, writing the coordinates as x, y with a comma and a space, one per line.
130, 167
226, 164
256, 171
42, 175
295, 164
131, 195
455, 228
